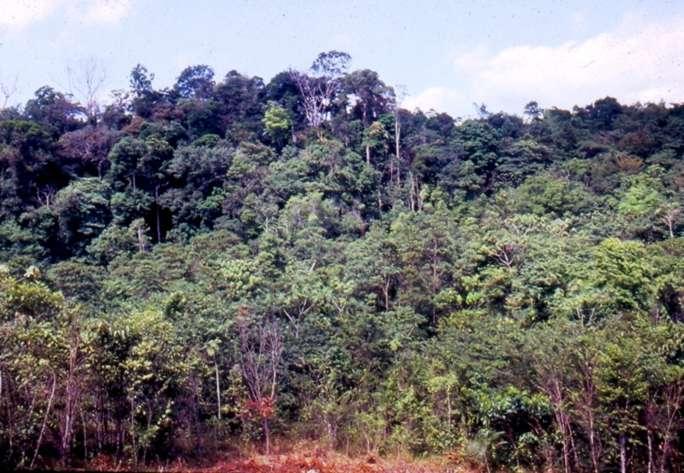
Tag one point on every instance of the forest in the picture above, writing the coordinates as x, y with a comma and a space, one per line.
230, 265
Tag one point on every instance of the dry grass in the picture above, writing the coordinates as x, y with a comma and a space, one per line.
298, 458
312, 459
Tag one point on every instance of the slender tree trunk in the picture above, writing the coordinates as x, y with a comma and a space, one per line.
412, 193
218, 392
100, 421
156, 210
623, 453
134, 448
45, 419
141, 239
556, 396
589, 398
85, 436
663, 456
391, 171
566, 447
71, 397
267, 435
649, 444
415, 192
571, 436
592, 442
449, 412
397, 134
331, 430
672, 402
385, 292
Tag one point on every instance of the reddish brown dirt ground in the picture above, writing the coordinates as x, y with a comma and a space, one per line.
320, 461
299, 458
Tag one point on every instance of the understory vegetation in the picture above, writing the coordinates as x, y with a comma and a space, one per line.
232, 262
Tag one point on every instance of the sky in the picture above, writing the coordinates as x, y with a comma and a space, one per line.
445, 55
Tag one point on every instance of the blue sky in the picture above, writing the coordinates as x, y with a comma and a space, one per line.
447, 54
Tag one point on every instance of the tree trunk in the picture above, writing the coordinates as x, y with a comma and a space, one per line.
397, 147
593, 448
397, 134
156, 211
72, 395
45, 419
571, 436
672, 403
141, 240
85, 436
218, 392
267, 436
649, 443
134, 447
623, 453
556, 396
566, 449
448, 401
385, 292
412, 193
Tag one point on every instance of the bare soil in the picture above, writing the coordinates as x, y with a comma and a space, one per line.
318, 460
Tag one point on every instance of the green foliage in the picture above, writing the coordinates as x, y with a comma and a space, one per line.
82, 212
198, 266
277, 121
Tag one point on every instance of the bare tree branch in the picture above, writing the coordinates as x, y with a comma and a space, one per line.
85, 83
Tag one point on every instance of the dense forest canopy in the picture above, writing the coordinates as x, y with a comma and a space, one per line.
229, 260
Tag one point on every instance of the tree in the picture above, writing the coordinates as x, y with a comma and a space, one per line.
7, 91
53, 110
240, 106
642, 203
145, 97
86, 149
194, 269
86, 81
369, 96
277, 122
318, 92
82, 211
195, 82
375, 137
261, 351
532, 111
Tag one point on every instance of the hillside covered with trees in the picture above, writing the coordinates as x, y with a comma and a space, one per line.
231, 262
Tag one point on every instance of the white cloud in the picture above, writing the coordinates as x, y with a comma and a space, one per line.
635, 62
437, 98
106, 11
17, 14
